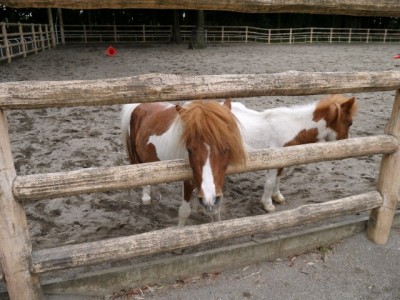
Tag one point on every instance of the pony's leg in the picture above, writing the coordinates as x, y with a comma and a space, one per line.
146, 199
276, 194
184, 209
270, 182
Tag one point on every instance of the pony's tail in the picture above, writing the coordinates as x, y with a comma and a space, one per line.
126, 114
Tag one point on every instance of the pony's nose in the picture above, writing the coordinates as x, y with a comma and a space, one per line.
211, 209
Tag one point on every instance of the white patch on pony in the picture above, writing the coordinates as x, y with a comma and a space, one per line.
168, 145
207, 182
277, 126
126, 114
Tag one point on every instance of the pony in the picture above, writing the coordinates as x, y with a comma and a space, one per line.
204, 132
328, 119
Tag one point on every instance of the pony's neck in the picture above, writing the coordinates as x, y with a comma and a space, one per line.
281, 126
298, 125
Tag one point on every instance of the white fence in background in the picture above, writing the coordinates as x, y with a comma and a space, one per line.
17, 39
22, 39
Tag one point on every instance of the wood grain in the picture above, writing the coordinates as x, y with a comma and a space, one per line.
168, 87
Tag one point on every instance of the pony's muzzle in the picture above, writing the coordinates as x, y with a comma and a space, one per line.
211, 209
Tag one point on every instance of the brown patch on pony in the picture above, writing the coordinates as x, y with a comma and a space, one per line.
215, 125
338, 111
332, 106
306, 136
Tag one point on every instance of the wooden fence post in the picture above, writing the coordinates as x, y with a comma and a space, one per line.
115, 33
330, 36
34, 38
380, 219
84, 34
5, 41
46, 27
144, 32
384, 36
41, 38
51, 23
61, 26
222, 34
290, 35
21, 36
367, 41
246, 34
349, 40
311, 35
15, 245
269, 36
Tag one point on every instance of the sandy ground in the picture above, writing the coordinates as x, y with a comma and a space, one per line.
52, 140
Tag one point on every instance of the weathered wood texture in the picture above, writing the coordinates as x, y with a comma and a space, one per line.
181, 237
381, 219
42, 186
15, 245
168, 87
345, 7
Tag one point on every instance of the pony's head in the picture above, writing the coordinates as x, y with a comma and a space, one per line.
213, 141
338, 112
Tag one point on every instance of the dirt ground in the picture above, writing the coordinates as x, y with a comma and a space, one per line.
62, 139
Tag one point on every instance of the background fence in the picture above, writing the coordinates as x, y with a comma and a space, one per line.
22, 39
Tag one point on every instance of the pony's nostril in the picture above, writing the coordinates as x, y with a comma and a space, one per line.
201, 201
217, 200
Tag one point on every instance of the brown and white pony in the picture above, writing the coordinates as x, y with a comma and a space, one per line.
204, 132
328, 119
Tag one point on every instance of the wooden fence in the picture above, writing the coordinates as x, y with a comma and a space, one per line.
22, 267
17, 39
226, 34
22, 39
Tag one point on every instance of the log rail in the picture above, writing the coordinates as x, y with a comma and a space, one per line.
168, 87
51, 185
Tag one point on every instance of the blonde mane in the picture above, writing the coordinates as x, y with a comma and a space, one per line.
214, 124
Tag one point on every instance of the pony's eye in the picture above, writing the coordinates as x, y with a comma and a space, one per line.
189, 150
350, 123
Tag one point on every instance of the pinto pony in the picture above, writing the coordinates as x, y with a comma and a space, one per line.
204, 132
328, 119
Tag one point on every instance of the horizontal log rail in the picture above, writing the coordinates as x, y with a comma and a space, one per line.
168, 87
51, 185
349, 7
181, 237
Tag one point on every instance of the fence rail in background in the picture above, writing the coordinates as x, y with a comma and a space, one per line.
22, 39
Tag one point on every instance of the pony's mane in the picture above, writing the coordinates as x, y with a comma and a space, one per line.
215, 125
339, 99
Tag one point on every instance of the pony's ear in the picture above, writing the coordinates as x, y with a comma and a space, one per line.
334, 113
349, 106
228, 103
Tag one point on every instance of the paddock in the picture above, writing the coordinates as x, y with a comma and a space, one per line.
48, 140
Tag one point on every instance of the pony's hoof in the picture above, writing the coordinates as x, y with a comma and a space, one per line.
270, 208
146, 200
278, 199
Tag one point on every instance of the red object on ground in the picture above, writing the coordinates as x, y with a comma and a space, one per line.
396, 56
111, 51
